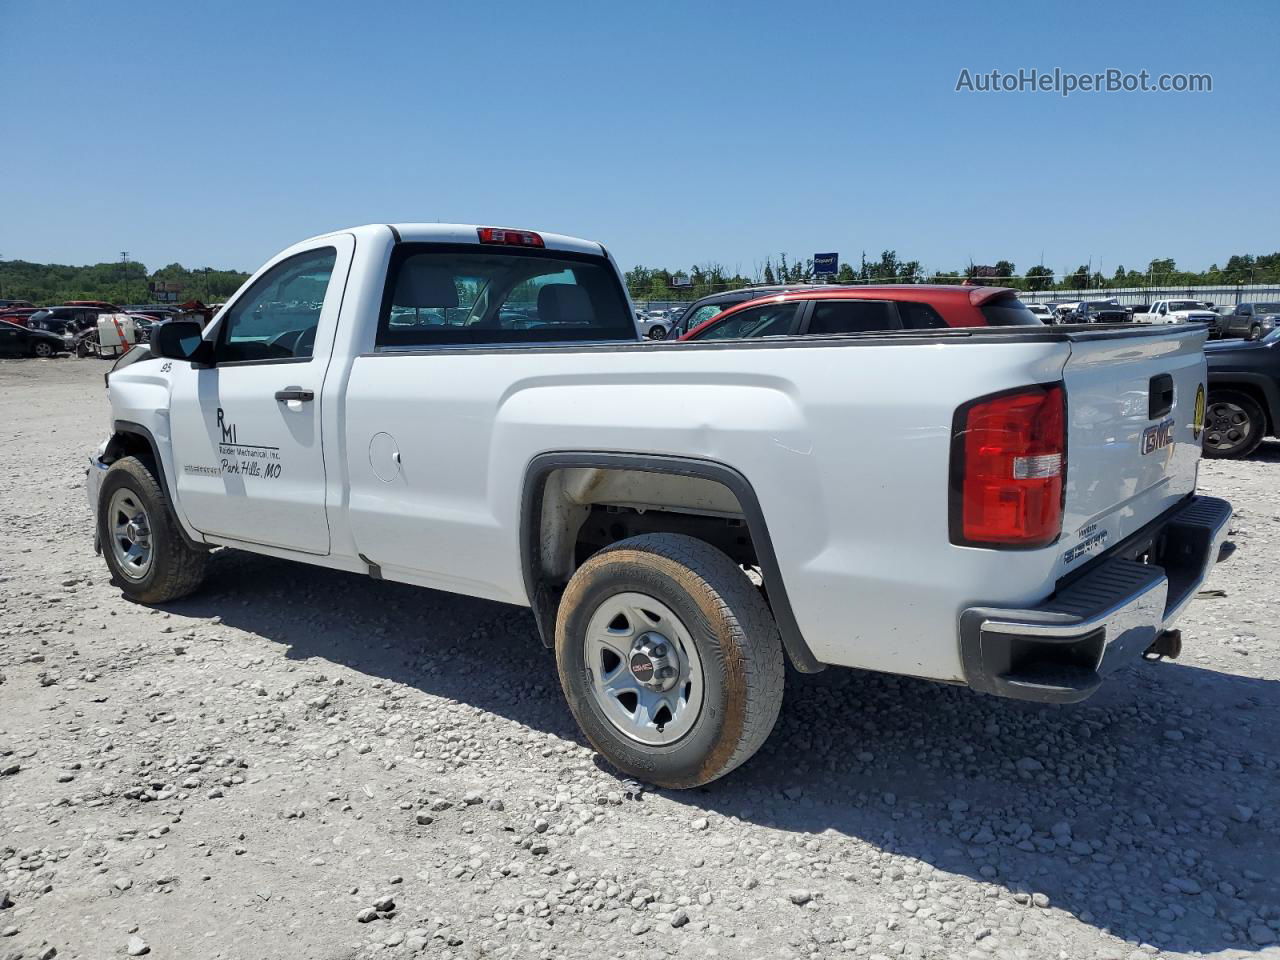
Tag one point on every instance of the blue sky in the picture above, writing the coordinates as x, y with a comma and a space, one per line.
675, 133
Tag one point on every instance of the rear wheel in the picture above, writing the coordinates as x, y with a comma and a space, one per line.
657, 333
670, 659
141, 541
1234, 425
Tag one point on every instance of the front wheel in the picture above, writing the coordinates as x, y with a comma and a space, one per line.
42, 350
670, 659
141, 541
1234, 425
657, 333
1255, 332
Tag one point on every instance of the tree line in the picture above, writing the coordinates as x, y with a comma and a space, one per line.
647, 283
127, 281
116, 282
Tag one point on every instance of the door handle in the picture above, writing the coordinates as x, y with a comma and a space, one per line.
295, 393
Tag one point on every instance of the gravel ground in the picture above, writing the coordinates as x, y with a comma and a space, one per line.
302, 763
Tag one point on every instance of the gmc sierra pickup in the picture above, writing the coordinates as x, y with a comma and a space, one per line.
460, 407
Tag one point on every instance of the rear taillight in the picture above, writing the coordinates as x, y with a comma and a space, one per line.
1008, 462
510, 238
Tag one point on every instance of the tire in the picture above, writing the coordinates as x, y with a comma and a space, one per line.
1234, 425
173, 569
702, 603
1255, 332
42, 350
657, 333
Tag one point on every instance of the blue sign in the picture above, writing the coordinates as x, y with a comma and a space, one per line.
826, 264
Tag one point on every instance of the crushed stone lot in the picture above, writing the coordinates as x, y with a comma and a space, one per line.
309, 764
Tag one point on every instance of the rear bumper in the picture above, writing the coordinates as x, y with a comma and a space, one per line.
1060, 651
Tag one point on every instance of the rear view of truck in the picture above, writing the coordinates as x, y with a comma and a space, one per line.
1103, 466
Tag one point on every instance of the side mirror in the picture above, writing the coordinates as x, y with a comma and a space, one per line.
181, 340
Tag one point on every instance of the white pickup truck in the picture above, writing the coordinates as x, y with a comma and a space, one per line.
1181, 311
462, 407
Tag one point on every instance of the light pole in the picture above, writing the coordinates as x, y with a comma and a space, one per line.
124, 266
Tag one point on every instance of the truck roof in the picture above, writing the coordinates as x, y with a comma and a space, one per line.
466, 233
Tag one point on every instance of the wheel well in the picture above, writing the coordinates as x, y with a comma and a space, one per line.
575, 505
129, 445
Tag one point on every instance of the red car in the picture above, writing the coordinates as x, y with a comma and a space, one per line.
18, 315
839, 310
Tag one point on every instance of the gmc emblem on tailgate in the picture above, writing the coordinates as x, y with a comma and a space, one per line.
1157, 437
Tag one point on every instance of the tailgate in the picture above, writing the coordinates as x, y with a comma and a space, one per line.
1135, 410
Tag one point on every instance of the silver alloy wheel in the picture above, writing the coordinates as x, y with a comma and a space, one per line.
657, 333
1226, 426
130, 534
644, 669
43, 349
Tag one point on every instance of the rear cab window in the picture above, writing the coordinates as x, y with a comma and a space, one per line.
460, 294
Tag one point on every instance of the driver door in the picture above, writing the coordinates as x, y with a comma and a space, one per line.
246, 432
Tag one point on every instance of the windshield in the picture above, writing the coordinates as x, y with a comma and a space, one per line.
40, 315
1179, 305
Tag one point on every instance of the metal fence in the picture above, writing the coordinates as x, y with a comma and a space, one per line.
1217, 295
1128, 296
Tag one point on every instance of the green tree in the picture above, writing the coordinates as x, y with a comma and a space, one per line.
1039, 277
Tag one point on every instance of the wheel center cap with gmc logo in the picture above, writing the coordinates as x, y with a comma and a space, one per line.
654, 662
642, 667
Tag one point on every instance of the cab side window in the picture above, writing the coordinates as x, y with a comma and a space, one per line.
276, 318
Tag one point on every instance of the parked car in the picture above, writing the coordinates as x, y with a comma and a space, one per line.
819, 311
75, 319
1137, 309
8, 305
1062, 308
1043, 312
18, 315
897, 486
652, 324
1098, 311
1244, 395
1253, 321
101, 305
19, 341
157, 311
81, 316
1182, 311
702, 310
